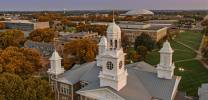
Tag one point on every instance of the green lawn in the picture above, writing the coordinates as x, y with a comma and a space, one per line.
195, 74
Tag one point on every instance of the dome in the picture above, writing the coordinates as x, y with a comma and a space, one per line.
139, 12
103, 41
113, 28
166, 48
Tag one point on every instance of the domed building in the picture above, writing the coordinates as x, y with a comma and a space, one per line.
109, 78
139, 12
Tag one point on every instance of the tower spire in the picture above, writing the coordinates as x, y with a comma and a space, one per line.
113, 17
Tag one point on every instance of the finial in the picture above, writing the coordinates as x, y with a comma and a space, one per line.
113, 17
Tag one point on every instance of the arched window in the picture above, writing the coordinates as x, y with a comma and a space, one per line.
109, 65
116, 43
111, 44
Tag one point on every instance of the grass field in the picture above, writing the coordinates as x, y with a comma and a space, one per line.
184, 57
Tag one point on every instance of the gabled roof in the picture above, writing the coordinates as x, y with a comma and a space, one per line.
73, 76
142, 81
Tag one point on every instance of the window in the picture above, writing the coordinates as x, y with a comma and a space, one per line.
64, 89
111, 44
109, 65
120, 64
83, 84
116, 44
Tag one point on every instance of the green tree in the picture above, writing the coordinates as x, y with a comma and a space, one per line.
144, 40
126, 43
11, 38
142, 51
42, 35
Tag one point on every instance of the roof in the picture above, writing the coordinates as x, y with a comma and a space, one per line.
203, 92
139, 12
142, 81
55, 56
103, 41
113, 28
74, 75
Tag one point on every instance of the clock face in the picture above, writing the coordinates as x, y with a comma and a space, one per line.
109, 65
120, 64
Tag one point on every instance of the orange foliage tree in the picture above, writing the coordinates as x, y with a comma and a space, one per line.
80, 51
42, 35
11, 38
2, 25
21, 61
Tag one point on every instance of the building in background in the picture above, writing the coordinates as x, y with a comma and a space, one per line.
134, 29
25, 25
67, 36
139, 12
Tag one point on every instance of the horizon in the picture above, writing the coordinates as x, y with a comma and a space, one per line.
54, 5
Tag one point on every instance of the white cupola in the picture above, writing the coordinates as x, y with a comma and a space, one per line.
165, 69
111, 59
55, 64
102, 45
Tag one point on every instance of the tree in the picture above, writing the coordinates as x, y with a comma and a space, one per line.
2, 25
142, 51
37, 89
126, 43
144, 40
81, 51
13, 87
205, 23
21, 61
42, 35
11, 38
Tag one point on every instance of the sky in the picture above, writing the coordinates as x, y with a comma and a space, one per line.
102, 4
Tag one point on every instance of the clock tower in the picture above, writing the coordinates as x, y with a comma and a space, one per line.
111, 59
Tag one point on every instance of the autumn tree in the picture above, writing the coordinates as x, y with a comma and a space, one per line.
144, 40
21, 61
2, 25
37, 89
11, 38
13, 87
42, 35
81, 51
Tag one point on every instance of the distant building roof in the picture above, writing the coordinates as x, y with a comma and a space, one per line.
139, 12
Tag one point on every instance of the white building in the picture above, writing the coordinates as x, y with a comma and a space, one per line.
108, 78
139, 12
